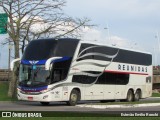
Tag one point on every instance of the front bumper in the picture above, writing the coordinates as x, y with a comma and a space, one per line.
44, 97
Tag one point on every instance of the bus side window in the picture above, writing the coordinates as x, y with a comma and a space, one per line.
148, 79
56, 76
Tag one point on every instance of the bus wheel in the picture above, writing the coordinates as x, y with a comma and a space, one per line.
137, 95
44, 103
130, 96
73, 98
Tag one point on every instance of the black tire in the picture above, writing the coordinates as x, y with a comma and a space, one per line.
103, 101
130, 96
45, 103
123, 100
137, 95
74, 97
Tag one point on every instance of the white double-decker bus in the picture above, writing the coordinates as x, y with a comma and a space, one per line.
72, 70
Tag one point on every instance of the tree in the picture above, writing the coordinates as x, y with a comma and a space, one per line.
33, 19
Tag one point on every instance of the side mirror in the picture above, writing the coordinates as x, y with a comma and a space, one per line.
12, 63
48, 62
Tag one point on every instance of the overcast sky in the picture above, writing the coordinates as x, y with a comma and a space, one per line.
132, 23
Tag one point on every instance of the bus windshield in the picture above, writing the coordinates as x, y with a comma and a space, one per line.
44, 49
33, 75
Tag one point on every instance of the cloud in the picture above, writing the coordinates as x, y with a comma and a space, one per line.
91, 34
118, 41
37, 26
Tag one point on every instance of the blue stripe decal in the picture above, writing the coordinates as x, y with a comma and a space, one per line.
28, 62
42, 62
31, 89
25, 62
61, 60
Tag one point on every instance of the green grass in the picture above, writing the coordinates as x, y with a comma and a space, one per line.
155, 94
85, 118
4, 92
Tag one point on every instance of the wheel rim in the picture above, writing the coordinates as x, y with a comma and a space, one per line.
73, 98
130, 97
137, 96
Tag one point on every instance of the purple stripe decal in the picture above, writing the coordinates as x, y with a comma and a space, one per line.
31, 89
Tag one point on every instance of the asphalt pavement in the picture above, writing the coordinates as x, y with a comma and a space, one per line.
81, 106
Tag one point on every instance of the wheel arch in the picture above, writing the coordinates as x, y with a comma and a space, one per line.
79, 91
131, 90
130, 96
139, 89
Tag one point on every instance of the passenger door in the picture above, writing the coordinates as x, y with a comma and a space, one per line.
109, 87
121, 82
94, 92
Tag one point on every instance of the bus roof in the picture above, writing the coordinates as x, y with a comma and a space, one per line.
98, 43
95, 43
56, 39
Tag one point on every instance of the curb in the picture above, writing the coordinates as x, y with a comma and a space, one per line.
120, 106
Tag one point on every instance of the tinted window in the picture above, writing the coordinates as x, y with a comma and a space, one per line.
105, 78
131, 57
45, 48
113, 78
66, 47
122, 79
84, 79
39, 50
124, 56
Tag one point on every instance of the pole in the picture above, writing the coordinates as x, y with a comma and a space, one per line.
107, 28
155, 56
157, 36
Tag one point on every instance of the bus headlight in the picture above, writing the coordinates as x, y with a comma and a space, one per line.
44, 91
46, 96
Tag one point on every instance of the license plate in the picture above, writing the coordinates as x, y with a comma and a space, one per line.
30, 98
